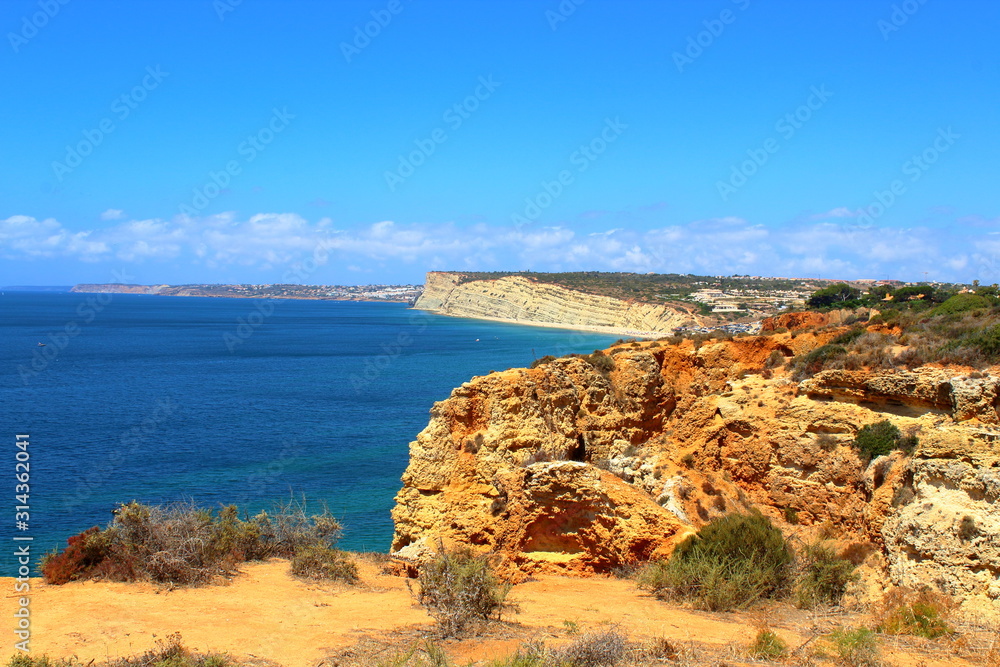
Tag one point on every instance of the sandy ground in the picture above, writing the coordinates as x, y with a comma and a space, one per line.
266, 613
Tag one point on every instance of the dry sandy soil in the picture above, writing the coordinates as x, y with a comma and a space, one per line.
267, 613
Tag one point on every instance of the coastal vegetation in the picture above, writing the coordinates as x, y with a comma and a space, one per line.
730, 563
651, 287
920, 297
738, 559
598, 359
168, 652
907, 611
962, 329
880, 438
460, 589
182, 544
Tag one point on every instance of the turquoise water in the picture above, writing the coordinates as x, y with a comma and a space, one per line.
218, 401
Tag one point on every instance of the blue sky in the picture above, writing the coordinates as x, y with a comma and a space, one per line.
264, 141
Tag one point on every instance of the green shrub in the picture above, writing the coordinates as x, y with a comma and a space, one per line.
823, 576
817, 360
542, 360
905, 611
987, 342
849, 337
767, 646
877, 439
730, 563
833, 295
856, 647
824, 354
460, 588
319, 562
602, 362
961, 303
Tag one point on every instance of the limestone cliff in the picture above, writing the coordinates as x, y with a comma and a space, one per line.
518, 299
565, 468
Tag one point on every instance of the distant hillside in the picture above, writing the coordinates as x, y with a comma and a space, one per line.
392, 293
650, 287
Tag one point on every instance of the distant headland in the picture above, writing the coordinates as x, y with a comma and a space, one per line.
389, 293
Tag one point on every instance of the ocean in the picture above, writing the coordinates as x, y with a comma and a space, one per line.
218, 401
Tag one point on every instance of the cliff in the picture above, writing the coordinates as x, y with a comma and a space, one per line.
518, 299
563, 468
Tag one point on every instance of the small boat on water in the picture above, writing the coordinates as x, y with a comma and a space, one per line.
41, 345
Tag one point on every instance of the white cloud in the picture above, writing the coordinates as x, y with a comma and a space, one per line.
839, 212
278, 241
113, 214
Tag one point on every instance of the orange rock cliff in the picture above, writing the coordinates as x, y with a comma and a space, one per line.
563, 468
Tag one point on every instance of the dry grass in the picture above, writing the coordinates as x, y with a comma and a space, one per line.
182, 544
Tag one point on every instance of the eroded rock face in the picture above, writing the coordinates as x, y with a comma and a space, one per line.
947, 532
518, 299
563, 468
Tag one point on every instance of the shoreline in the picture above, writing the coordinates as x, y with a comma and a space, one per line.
589, 328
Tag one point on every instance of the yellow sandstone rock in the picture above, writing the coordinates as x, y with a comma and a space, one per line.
564, 469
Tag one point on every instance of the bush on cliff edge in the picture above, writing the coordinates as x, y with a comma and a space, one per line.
184, 544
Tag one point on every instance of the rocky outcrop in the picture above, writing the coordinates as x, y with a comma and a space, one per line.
518, 299
566, 468
946, 529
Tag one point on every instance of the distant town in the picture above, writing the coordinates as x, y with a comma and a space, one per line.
391, 293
